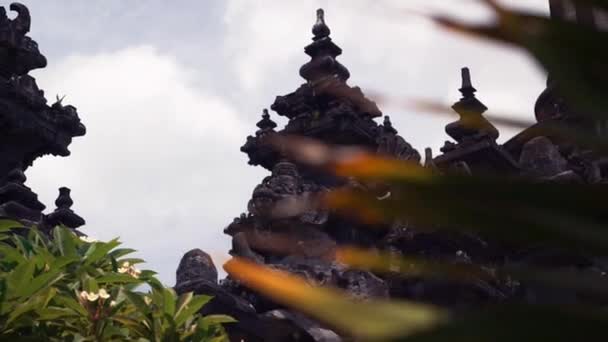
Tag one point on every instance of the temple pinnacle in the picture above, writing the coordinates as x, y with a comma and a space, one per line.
388, 125
64, 200
472, 124
266, 123
323, 53
467, 89
320, 30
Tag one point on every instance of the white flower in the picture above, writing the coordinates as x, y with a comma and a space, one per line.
113, 303
135, 272
88, 239
129, 269
103, 294
90, 296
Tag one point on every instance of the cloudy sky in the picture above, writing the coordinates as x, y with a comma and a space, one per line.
169, 90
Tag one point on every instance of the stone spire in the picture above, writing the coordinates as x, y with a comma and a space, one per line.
63, 214
471, 124
323, 53
325, 108
320, 30
387, 126
266, 124
476, 150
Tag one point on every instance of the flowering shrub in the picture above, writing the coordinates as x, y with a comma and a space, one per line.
65, 288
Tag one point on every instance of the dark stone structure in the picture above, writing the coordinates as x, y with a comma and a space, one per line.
283, 235
277, 230
29, 127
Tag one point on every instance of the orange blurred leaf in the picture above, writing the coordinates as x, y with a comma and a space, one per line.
371, 320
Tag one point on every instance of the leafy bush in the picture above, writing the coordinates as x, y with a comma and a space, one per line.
68, 288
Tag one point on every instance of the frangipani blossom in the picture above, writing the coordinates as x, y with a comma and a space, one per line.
90, 296
129, 269
103, 294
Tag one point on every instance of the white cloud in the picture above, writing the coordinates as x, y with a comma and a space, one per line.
160, 165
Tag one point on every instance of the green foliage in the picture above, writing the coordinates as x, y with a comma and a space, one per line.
66, 288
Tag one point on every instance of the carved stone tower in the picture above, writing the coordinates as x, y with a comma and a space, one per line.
29, 127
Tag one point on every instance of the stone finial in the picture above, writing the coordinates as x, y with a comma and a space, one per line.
266, 123
320, 30
467, 89
323, 53
387, 125
64, 200
63, 214
472, 124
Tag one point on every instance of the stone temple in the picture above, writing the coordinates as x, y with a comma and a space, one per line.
302, 241
328, 109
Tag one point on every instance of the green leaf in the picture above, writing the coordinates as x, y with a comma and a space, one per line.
40, 282
120, 252
218, 319
90, 284
138, 301
169, 298
19, 278
183, 301
98, 250
54, 274
117, 278
71, 303
133, 324
23, 245
153, 282
33, 303
11, 254
8, 225
53, 313
189, 309
66, 241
